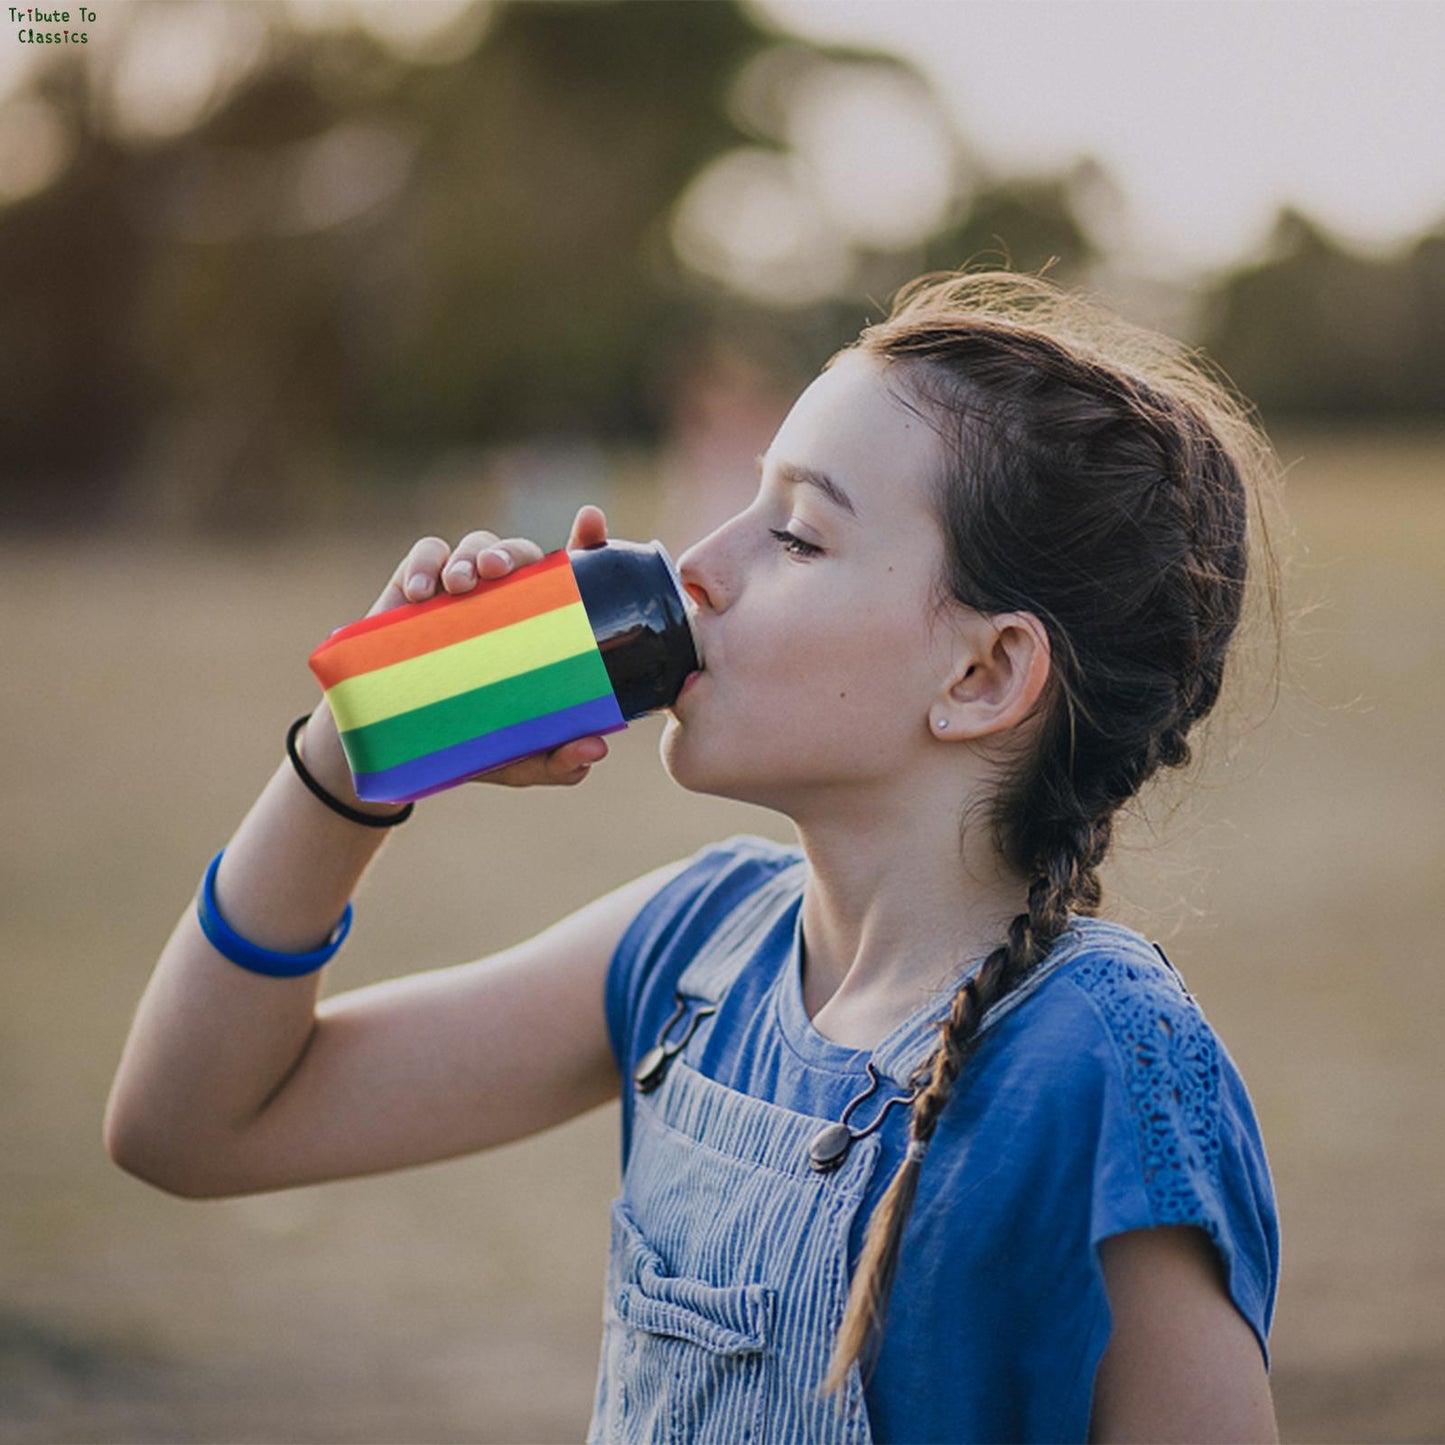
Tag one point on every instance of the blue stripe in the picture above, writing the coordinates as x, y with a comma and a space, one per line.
450, 765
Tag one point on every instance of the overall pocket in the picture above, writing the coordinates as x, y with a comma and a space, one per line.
684, 1360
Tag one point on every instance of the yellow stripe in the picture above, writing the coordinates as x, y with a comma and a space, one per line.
494, 656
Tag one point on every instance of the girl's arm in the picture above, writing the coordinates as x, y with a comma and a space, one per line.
1181, 1364
231, 1082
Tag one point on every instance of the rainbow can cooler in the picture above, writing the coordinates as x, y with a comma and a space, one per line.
431, 693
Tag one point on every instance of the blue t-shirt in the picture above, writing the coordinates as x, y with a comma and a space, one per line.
1103, 1103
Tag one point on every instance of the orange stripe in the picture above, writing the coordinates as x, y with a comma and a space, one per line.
394, 615
419, 627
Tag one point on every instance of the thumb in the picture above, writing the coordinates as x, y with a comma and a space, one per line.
589, 528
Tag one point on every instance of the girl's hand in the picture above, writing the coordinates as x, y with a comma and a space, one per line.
432, 568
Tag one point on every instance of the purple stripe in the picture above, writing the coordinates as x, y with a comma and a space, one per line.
450, 765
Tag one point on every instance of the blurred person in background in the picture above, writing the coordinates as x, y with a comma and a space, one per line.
918, 1146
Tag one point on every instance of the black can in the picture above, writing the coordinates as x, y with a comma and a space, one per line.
634, 603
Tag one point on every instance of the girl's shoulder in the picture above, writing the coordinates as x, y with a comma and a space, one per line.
1121, 1058
1112, 1051
1177, 1122
1133, 989
1103, 978
683, 914
1161, 1052
713, 882
1107, 1102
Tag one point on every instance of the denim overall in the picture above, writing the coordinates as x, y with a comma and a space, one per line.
728, 1265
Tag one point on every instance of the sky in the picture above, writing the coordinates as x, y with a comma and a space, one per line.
1209, 114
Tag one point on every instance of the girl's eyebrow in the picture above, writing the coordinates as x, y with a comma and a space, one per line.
791, 475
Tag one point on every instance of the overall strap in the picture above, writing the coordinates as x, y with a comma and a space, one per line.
734, 941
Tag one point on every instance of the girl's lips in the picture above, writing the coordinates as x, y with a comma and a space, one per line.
689, 681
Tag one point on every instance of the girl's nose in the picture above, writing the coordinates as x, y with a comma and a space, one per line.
700, 572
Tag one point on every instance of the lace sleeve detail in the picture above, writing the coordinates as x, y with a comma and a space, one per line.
1178, 1141
1171, 1074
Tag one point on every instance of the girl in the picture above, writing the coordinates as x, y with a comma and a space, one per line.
918, 1147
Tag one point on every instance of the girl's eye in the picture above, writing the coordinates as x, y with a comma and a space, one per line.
794, 545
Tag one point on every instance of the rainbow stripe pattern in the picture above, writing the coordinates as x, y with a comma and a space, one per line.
432, 692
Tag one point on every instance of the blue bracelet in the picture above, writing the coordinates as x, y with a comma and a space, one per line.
227, 942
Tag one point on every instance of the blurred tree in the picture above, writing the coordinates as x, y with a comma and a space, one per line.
1025, 225
356, 255
355, 259
512, 281
1316, 331
1031, 225
552, 157
74, 394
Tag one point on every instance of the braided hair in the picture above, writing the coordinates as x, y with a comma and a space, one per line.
1100, 479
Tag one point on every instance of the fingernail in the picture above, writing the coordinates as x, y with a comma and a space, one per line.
592, 750
421, 585
498, 555
460, 571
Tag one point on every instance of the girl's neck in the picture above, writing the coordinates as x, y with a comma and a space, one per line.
892, 909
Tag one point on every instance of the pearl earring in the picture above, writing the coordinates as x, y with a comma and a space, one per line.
942, 724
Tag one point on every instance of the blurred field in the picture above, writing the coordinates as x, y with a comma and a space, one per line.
145, 692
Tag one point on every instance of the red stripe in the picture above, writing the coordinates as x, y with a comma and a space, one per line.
419, 627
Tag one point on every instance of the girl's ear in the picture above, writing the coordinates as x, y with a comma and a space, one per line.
1002, 670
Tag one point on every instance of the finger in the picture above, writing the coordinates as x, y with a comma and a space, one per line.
589, 528
582, 753
461, 569
564, 766
415, 578
502, 557
421, 572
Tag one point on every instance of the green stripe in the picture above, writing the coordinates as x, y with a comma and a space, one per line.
423, 730
385, 692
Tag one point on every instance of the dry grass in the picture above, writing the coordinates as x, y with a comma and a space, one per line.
145, 692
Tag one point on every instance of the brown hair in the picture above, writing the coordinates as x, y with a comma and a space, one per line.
1102, 479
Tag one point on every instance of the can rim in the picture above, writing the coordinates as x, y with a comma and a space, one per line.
672, 572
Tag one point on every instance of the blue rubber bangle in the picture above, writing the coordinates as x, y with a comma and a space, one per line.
227, 942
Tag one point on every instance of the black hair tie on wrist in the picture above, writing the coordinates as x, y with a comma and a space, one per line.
355, 815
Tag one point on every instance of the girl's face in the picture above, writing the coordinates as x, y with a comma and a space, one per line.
822, 644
